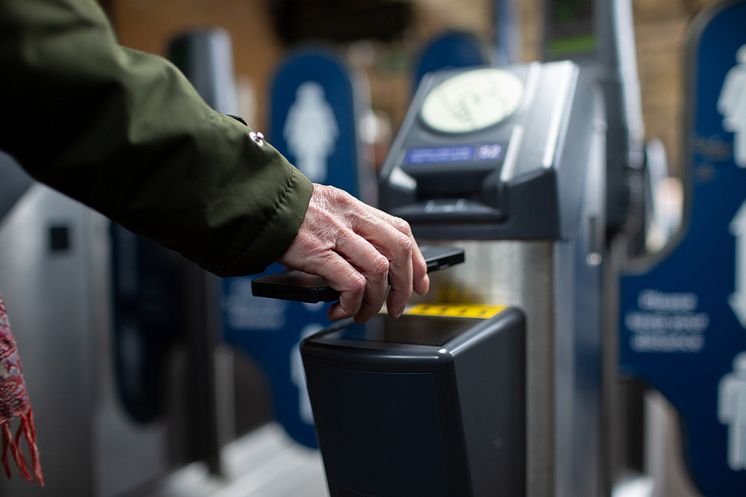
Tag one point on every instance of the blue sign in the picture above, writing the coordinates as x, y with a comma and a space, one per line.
452, 49
313, 124
683, 323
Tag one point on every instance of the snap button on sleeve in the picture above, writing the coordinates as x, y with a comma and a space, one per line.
257, 137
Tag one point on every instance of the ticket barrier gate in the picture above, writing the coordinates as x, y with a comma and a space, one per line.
508, 164
56, 282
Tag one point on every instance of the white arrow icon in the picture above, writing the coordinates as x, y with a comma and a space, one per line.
738, 297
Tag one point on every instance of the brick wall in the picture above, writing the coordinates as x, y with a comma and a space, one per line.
660, 25
148, 26
661, 32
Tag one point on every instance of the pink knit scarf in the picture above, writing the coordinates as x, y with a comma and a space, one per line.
15, 404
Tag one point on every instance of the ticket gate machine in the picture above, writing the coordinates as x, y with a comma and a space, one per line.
523, 193
508, 164
55, 280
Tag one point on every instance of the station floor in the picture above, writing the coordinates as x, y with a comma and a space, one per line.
264, 463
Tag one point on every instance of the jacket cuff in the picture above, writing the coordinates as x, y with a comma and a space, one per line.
278, 232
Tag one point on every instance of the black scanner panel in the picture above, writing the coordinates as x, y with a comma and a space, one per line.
374, 459
420, 406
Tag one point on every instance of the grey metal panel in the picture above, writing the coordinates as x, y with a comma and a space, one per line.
577, 373
619, 81
206, 58
519, 274
60, 311
47, 299
13, 183
127, 453
578, 329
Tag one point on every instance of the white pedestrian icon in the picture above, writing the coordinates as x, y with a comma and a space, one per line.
298, 375
732, 412
732, 105
311, 130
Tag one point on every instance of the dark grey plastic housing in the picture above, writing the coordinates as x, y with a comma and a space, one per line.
420, 406
532, 191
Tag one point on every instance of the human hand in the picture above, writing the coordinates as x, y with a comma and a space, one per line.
359, 250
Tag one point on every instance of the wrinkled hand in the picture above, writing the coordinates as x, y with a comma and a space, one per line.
359, 251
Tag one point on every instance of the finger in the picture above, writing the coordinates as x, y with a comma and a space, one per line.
423, 285
398, 250
336, 312
371, 264
421, 281
344, 278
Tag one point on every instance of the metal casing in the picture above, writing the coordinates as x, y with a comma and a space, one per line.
14, 184
543, 253
57, 292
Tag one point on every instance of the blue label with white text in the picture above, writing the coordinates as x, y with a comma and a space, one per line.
462, 153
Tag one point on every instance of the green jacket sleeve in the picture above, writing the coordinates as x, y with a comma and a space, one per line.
124, 132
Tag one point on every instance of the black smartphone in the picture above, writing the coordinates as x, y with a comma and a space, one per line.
304, 287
